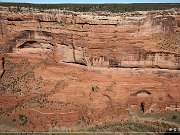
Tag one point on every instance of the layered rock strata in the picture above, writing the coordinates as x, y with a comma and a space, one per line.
115, 62
97, 40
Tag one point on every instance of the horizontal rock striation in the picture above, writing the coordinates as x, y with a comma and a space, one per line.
109, 71
162, 60
93, 40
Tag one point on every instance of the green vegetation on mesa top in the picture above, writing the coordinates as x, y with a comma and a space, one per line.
98, 7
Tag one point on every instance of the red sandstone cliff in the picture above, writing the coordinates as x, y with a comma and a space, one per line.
39, 83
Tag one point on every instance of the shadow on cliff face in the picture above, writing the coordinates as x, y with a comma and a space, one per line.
142, 106
1, 67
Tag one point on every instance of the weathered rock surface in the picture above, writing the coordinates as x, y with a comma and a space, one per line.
103, 41
65, 70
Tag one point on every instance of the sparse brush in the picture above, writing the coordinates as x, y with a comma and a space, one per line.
19, 76
95, 88
23, 119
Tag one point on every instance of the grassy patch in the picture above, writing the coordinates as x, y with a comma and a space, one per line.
130, 126
7, 121
171, 116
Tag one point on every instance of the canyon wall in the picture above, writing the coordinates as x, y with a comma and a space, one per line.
104, 41
67, 69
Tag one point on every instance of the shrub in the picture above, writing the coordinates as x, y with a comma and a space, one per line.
95, 88
23, 119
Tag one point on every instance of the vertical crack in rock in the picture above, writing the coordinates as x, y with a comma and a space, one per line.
1, 28
73, 47
1, 65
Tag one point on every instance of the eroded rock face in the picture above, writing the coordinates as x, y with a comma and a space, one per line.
69, 54
33, 42
102, 41
150, 59
132, 50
